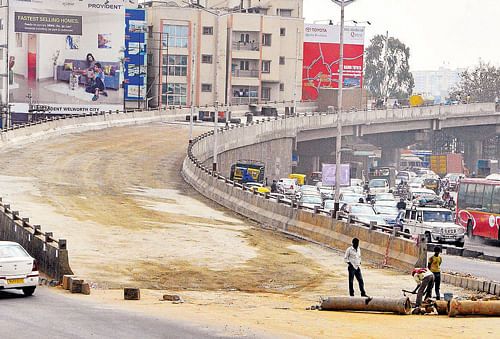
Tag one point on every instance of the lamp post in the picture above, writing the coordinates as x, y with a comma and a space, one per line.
342, 4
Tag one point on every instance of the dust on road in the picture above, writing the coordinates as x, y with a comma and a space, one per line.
118, 198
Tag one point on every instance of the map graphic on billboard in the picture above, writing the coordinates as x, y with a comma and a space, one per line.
321, 58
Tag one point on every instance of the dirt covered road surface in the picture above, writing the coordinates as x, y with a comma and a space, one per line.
118, 197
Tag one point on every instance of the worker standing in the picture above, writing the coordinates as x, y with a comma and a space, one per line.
425, 281
434, 265
353, 259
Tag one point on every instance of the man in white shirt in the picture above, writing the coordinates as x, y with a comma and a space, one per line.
353, 259
425, 281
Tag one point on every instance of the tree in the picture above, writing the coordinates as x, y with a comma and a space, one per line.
482, 83
391, 78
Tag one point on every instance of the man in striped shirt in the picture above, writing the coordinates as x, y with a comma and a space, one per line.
353, 259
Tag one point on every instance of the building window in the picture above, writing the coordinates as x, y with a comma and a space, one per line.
283, 12
266, 66
282, 87
266, 39
244, 65
244, 37
282, 60
206, 58
19, 40
208, 30
176, 65
206, 87
282, 31
174, 94
266, 93
175, 36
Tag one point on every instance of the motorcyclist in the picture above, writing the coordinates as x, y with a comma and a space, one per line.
401, 205
446, 196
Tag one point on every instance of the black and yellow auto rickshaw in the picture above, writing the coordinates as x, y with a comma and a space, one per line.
432, 184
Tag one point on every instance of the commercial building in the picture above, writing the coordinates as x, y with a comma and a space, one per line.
232, 52
436, 83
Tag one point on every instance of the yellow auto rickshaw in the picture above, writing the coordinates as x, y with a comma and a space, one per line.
300, 178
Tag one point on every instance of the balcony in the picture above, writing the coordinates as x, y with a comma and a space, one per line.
244, 100
240, 73
246, 46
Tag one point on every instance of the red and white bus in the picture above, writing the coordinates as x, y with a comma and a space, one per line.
478, 207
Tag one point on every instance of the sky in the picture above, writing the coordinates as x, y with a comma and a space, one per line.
449, 33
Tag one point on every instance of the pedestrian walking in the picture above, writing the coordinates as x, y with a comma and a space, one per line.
353, 259
434, 265
425, 281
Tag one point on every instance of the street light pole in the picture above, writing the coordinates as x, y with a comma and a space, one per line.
193, 61
338, 145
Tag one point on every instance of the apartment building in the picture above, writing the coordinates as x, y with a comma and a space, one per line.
233, 52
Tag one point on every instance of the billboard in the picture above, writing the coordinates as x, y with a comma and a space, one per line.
135, 54
321, 58
67, 56
329, 171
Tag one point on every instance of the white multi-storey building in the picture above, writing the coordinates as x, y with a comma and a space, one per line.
233, 52
436, 83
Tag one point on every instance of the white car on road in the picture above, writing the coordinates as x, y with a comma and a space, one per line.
18, 270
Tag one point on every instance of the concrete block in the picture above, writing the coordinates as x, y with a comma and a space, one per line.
491, 287
130, 293
171, 297
75, 285
474, 284
445, 277
454, 251
464, 282
491, 258
65, 281
471, 253
86, 288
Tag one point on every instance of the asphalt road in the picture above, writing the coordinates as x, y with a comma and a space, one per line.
50, 315
487, 246
476, 267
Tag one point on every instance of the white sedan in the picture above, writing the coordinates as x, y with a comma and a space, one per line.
18, 270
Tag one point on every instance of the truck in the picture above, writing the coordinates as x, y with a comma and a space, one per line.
244, 171
447, 163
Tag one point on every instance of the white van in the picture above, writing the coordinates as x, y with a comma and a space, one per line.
378, 186
437, 224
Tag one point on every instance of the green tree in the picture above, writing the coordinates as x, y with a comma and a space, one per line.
482, 83
387, 73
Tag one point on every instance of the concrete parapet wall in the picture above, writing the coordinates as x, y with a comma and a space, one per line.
51, 254
377, 246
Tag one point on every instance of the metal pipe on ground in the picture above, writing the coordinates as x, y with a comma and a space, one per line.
442, 307
468, 307
392, 305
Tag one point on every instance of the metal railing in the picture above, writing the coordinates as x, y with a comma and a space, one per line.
246, 46
244, 100
243, 73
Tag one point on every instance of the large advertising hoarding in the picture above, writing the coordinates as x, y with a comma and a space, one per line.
329, 172
321, 58
135, 54
67, 55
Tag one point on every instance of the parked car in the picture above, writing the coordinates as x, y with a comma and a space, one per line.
307, 190
18, 270
348, 197
311, 201
363, 213
287, 186
452, 180
437, 224
389, 213
385, 199
378, 186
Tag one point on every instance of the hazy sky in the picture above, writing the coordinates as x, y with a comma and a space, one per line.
453, 32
